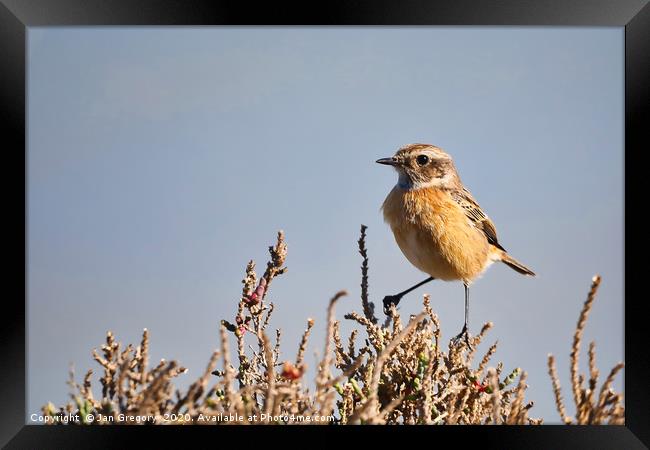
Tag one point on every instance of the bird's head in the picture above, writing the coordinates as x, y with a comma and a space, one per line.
423, 165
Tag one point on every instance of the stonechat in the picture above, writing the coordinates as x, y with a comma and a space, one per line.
438, 225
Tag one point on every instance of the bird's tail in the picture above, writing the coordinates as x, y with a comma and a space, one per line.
516, 265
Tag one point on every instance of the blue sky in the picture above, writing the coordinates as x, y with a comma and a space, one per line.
160, 160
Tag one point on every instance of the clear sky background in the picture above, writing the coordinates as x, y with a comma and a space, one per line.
161, 160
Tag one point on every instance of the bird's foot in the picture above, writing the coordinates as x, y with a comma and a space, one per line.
463, 336
390, 300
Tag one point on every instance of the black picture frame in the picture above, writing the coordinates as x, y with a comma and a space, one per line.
17, 15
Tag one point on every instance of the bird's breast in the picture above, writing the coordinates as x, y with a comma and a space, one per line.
435, 235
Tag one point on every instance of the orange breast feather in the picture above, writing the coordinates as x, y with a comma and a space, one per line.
435, 235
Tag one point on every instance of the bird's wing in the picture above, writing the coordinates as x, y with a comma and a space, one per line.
476, 215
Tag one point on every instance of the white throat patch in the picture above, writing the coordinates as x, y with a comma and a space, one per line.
405, 182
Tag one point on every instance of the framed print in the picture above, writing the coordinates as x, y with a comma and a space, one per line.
351, 214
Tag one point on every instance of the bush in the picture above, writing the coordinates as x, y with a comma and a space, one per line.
400, 374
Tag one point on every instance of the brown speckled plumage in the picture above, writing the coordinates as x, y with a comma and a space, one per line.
436, 222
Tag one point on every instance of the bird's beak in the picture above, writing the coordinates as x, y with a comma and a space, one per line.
388, 161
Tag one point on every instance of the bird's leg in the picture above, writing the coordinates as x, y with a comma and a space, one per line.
394, 299
464, 334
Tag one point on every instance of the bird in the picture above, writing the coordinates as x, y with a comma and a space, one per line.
438, 225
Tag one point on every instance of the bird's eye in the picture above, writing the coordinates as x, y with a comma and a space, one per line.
422, 159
